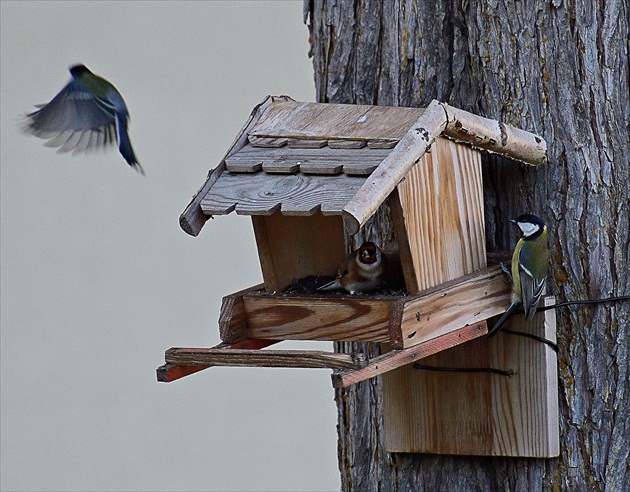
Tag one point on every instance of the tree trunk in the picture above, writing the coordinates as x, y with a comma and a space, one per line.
558, 69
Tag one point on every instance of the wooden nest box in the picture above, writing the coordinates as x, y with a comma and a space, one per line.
311, 175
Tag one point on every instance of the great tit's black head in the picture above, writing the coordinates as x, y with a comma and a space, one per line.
77, 70
530, 225
368, 252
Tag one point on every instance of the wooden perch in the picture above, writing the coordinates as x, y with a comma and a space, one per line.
397, 358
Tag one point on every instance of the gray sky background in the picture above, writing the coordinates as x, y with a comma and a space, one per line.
98, 280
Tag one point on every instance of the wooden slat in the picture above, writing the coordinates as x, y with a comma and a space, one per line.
263, 194
397, 358
349, 318
327, 168
335, 121
266, 141
306, 143
346, 144
382, 144
248, 153
243, 166
171, 372
260, 358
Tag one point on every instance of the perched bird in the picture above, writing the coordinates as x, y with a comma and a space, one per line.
88, 113
530, 262
362, 270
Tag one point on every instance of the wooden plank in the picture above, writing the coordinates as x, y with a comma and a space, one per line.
291, 247
193, 218
481, 413
346, 144
382, 144
260, 358
335, 121
169, 372
328, 168
263, 194
248, 153
349, 318
442, 204
412, 146
267, 142
397, 358
306, 143
243, 166
232, 320
282, 166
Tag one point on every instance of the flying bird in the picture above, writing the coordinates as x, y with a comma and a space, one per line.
88, 113
362, 270
530, 262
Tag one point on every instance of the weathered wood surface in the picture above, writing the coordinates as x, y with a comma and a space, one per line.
319, 318
170, 372
464, 301
358, 161
292, 194
398, 358
306, 120
442, 204
193, 218
294, 247
482, 413
260, 358
509, 61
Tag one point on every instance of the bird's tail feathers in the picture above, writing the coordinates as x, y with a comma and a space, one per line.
499, 324
124, 143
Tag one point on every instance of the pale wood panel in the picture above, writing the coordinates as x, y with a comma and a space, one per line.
293, 247
358, 318
335, 121
480, 413
442, 202
263, 194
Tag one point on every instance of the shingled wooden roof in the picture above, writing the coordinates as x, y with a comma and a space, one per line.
301, 158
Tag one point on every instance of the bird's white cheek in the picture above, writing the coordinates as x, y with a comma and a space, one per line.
527, 228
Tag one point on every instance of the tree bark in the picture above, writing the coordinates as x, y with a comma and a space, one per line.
559, 69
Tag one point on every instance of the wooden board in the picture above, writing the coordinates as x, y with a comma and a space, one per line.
294, 119
442, 204
294, 247
480, 413
350, 318
294, 194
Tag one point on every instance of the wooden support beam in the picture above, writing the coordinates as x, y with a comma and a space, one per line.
397, 358
260, 358
170, 372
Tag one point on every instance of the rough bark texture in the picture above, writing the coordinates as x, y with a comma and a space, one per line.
559, 69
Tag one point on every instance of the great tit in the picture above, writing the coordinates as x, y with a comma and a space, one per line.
362, 271
88, 113
530, 262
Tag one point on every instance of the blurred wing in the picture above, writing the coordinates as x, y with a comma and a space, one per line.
74, 120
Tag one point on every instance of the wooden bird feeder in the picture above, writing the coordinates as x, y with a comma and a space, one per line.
311, 175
